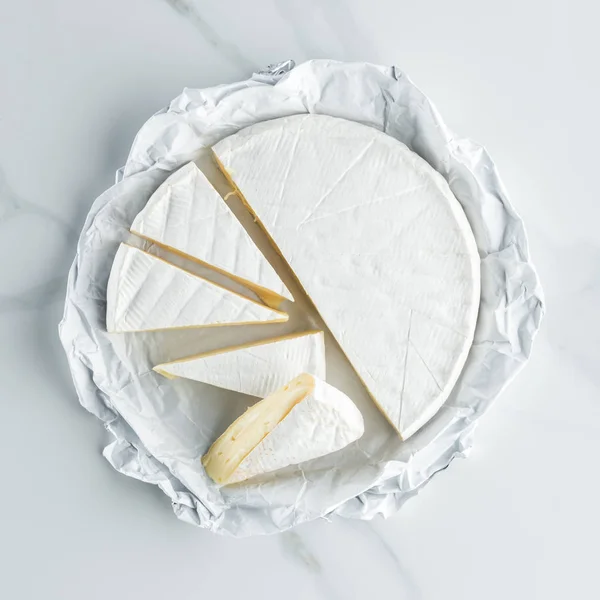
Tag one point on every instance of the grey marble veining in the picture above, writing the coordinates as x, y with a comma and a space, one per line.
406, 579
12, 205
37, 293
323, 29
295, 548
192, 11
367, 554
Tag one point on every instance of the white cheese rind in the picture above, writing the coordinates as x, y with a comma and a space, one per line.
146, 293
187, 214
255, 369
380, 244
325, 420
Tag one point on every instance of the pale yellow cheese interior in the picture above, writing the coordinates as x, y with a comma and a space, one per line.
246, 432
269, 297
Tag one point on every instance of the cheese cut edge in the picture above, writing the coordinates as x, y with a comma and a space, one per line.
113, 290
216, 466
226, 460
334, 423
271, 298
162, 368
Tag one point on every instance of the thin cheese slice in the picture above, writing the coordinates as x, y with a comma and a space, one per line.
146, 293
255, 369
187, 215
380, 244
305, 419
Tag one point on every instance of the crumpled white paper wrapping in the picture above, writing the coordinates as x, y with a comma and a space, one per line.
161, 428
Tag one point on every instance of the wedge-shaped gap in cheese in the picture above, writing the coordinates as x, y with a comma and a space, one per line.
188, 216
146, 293
305, 419
373, 234
257, 368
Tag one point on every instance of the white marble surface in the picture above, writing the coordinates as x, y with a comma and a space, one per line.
518, 519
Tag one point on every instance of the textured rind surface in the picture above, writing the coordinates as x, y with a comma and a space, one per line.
379, 243
324, 422
256, 370
187, 214
145, 293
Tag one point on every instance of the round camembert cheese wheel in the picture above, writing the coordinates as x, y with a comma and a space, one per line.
380, 244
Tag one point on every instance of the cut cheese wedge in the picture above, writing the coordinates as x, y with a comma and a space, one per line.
146, 293
187, 215
255, 369
377, 240
304, 419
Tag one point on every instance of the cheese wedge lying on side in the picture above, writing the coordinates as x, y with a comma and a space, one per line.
186, 214
255, 369
378, 241
304, 419
146, 293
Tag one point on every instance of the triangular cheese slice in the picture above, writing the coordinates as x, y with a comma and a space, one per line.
379, 243
305, 419
255, 369
187, 215
146, 293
